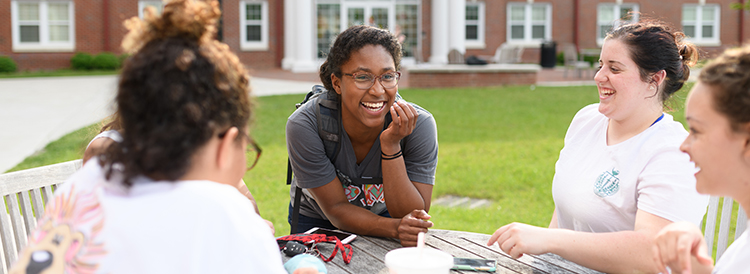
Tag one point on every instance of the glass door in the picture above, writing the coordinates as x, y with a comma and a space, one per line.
401, 17
367, 13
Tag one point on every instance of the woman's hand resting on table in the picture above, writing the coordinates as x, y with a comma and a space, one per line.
677, 244
410, 226
515, 239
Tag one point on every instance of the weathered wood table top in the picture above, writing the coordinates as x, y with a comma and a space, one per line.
369, 255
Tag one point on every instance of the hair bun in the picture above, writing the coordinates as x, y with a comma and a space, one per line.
191, 19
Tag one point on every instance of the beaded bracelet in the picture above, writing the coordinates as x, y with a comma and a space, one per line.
384, 156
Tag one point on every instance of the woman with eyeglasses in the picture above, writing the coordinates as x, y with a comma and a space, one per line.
380, 182
162, 200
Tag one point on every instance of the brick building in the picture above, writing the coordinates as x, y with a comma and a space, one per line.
295, 34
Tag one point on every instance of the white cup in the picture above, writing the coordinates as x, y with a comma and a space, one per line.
409, 260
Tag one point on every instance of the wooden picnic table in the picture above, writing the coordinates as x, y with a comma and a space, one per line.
369, 255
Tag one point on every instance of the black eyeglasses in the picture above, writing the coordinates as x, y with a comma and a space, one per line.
365, 80
253, 150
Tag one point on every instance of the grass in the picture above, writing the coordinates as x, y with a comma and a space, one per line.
57, 73
498, 143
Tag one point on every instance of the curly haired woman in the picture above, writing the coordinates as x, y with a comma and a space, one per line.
163, 199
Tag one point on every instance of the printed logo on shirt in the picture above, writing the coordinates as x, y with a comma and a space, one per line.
352, 192
63, 241
607, 183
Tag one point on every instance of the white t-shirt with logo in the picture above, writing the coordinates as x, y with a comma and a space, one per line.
96, 225
599, 188
737, 257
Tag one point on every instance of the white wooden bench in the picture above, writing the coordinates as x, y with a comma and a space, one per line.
25, 193
724, 224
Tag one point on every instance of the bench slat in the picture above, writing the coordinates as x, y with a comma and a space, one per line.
741, 223
47, 194
37, 202
6, 235
17, 221
710, 227
27, 212
726, 218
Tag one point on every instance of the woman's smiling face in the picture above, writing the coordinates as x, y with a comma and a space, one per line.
365, 108
713, 146
621, 90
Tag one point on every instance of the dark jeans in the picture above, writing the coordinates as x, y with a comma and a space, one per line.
305, 223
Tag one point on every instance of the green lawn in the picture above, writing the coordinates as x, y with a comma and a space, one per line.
497, 143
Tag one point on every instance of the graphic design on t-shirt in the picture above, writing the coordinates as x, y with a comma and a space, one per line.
373, 194
365, 195
607, 183
352, 192
62, 243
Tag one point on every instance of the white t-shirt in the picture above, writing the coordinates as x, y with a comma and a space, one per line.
111, 134
737, 257
154, 227
599, 188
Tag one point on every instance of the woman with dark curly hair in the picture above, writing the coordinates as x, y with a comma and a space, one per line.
380, 181
163, 199
718, 113
621, 176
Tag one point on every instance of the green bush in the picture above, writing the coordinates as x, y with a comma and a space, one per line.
105, 61
7, 64
560, 58
81, 61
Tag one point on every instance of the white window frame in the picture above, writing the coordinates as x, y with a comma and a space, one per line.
44, 44
261, 45
699, 24
479, 42
527, 41
617, 22
143, 4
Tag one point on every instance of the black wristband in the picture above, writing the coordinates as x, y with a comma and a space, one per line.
384, 156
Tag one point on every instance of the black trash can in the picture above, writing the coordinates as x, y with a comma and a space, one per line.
548, 54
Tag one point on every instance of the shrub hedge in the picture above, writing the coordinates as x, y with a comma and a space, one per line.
102, 61
7, 64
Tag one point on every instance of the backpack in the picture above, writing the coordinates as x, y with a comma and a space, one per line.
329, 129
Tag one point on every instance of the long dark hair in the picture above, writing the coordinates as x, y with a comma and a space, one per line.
178, 89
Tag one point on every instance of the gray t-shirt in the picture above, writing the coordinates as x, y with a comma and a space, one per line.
312, 168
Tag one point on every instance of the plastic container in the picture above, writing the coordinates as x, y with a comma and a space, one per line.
408, 260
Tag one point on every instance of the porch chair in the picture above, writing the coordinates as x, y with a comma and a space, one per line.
507, 54
455, 57
26, 192
572, 61
724, 224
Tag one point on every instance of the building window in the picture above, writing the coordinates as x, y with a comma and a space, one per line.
475, 25
142, 5
329, 26
407, 26
529, 23
254, 25
701, 24
611, 16
42, 26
